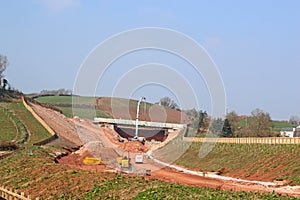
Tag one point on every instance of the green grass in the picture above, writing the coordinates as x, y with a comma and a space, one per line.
33, 171
67, 99
8, 128
69, 111
136, 188
279, 161
276, 124
37, 131
83, 112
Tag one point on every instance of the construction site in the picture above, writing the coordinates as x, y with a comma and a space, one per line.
133, 148
111, 145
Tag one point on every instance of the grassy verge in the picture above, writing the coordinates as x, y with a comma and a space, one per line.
8, 127
277, 161
32, 171
37, 131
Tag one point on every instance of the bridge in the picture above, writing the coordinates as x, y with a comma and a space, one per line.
125, 122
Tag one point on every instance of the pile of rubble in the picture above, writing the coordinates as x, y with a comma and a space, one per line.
124, 144
134, 146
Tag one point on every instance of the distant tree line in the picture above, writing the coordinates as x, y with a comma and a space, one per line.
58, 92
198, 120
259, 124
168, 102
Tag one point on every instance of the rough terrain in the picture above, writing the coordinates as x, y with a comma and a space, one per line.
81, 132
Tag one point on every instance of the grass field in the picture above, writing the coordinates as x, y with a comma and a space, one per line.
67, 100
277, 125
37, 131
83, 112
7, 128
247, 160
38, 175
282, 124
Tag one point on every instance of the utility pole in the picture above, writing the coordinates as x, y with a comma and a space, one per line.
137, 117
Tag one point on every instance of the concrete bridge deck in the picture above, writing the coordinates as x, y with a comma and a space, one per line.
126, 122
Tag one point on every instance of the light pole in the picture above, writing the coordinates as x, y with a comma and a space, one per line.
137, 117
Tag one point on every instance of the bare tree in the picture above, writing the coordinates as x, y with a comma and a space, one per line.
3, 65
233, 120
202, 115
295, 120
61, 91
260, 125
168, 102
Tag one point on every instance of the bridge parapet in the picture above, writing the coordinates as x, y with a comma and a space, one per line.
98, 120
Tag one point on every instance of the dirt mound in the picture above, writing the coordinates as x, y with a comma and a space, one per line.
135, 147
75, 161
124, 144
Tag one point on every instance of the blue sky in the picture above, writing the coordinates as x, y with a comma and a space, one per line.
255, 44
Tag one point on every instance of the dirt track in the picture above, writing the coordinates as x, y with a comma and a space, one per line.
66, 129
173, 176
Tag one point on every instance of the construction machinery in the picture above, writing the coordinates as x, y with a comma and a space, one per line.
92, 161
124, 160
139, 158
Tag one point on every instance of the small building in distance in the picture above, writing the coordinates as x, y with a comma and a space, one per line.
297, 132
290, 132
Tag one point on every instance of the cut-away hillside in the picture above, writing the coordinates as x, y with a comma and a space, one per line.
118, 108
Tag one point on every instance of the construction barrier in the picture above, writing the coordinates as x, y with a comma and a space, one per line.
261, 140
10, 194
40, 120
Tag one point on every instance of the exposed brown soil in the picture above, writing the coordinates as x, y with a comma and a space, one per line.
75, 161
131, 146
63, 126
174, 176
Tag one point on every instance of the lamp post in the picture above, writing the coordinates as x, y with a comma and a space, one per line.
137, 117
